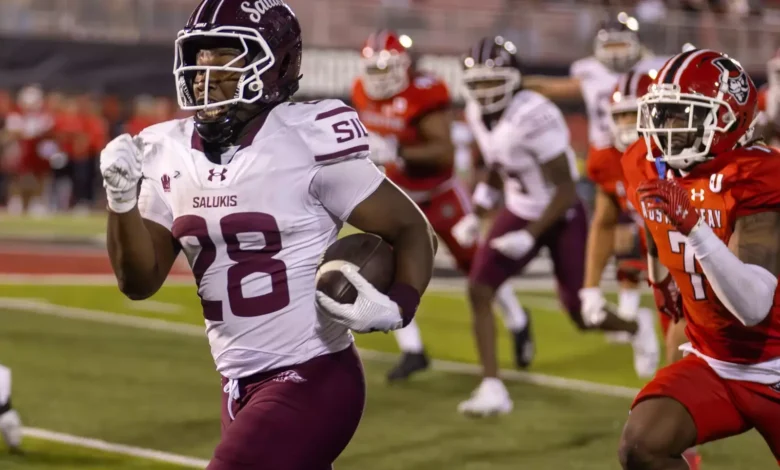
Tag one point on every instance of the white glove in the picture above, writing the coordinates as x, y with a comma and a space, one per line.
592, 303
372, 310
383, 149
514, 245
466, 231
120, 166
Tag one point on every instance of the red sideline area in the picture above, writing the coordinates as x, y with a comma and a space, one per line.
60, 259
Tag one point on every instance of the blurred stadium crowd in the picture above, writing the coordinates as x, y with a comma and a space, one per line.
51, 135
50, 143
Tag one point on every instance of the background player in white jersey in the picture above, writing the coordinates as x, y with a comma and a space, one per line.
616, 49
524, 141
253, 189
10, 424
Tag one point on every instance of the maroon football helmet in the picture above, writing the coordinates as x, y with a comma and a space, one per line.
267, 35
492, 74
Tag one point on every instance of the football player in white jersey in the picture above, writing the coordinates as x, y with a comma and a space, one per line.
10, 424
616, 49
253, 189
524, 141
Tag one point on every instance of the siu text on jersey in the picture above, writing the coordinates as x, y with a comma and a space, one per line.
214, 202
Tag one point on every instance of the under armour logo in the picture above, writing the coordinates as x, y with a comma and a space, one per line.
695, 194
166, 183
213, 174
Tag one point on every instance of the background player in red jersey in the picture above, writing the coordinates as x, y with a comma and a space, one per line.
408, 115
711, 205
603, 168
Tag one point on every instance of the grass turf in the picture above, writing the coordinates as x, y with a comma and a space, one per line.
159, 390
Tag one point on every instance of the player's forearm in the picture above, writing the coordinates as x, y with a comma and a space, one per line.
747, 290
555, 88
414, 249
132, 255
564, 197
601, 240
434, 153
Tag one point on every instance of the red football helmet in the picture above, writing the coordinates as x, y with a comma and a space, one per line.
386, 64
624, 102
702, 103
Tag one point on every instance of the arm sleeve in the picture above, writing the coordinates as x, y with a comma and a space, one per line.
543, 131
341, 187
747, 290
152, 202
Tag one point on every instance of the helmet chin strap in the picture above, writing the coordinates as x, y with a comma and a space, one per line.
225, 130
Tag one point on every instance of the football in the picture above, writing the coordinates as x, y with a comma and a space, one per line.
369, 253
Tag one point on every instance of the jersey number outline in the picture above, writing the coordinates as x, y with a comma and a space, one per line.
679, 245
247, 261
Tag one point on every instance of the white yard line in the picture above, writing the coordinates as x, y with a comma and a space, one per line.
97, 444
437, 284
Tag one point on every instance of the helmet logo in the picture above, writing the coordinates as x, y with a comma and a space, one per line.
259, 8
737, 83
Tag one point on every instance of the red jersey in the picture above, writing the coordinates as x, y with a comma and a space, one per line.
732, 185
398, 117
603, 167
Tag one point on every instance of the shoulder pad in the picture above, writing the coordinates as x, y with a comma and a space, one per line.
604, 169
532, 112
154, 137
756, 181
331, 130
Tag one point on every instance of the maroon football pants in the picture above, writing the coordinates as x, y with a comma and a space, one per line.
293, 418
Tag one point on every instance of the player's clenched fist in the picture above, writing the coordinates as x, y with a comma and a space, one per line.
671, 199
120, 166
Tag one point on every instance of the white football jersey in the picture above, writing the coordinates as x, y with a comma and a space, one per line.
254, 227
598, 83
530, 133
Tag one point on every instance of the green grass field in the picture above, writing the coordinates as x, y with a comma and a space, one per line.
158, 390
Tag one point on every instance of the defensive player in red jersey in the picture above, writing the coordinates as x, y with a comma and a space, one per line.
603, 168
711, 203
611, 200
409, 118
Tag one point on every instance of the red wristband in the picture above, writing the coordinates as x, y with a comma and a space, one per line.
407, 298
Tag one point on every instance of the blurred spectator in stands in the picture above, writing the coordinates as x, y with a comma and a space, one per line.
399, 15
111, 108
73, 139
32, 127
84, 170
6, 106
144, 115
